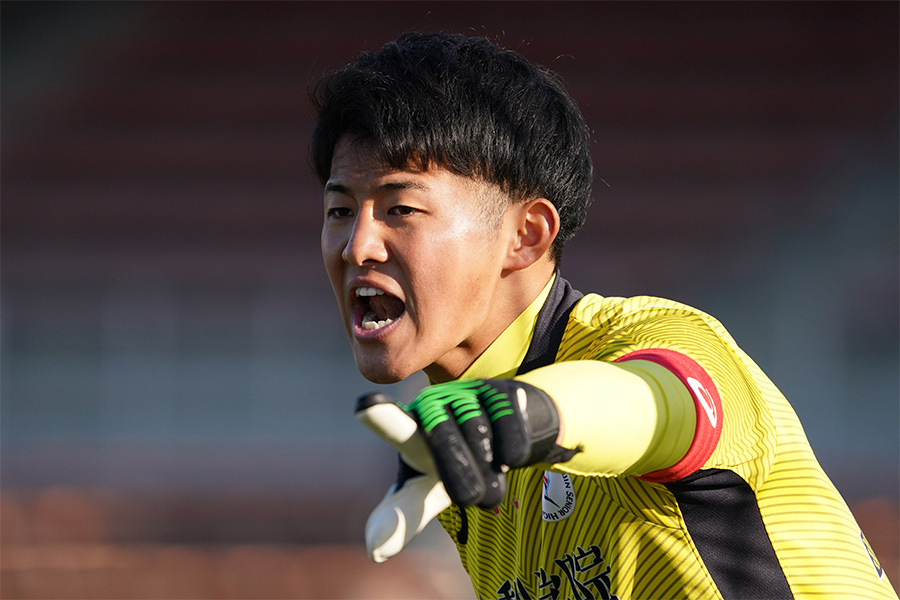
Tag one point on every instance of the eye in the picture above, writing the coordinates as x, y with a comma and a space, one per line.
338, 212
402, 211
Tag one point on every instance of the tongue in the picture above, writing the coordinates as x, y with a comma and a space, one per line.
386, 307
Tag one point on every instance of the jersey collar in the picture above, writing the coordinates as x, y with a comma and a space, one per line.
503, 357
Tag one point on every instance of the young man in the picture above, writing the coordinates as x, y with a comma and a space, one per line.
592, 447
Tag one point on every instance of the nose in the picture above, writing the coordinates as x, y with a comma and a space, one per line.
366, 243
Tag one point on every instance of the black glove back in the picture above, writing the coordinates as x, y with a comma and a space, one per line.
478, 429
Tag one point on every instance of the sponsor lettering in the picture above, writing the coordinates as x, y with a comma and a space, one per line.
583, 571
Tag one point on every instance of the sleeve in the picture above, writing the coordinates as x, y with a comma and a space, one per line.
697, 390
634, 418
669, 393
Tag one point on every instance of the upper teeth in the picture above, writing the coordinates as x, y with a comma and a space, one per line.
369, 291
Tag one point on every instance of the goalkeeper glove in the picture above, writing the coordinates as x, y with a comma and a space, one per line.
476, 430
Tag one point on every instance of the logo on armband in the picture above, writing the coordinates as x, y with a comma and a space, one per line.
705, 400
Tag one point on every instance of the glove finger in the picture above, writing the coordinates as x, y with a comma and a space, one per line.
397, 427
511, 436
402, 514
456, 465
526, 428
477, 433
513, 442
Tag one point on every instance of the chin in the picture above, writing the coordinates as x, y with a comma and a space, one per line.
381, 378
380, 373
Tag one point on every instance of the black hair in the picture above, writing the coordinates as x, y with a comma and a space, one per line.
467, 105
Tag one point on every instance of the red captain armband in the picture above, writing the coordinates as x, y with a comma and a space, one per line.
707, 403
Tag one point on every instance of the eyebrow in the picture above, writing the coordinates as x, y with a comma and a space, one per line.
390, 186
336, 188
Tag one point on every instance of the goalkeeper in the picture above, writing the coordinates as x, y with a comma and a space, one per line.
573, 446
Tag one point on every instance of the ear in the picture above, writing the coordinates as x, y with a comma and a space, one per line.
537, 223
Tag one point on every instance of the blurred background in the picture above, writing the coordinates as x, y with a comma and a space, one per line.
177, 390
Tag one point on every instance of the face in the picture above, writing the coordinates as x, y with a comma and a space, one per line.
415, 263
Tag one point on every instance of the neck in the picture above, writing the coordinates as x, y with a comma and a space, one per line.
516, 290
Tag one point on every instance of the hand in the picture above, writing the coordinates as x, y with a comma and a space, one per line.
476, 430
519, 422
418, 496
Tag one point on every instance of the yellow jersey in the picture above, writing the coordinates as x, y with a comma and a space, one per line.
746, 512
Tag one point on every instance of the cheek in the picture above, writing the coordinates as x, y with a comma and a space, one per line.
466, 240
331, 257
332, 244
458, 268
328, 244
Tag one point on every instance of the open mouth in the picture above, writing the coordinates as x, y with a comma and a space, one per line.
376, 308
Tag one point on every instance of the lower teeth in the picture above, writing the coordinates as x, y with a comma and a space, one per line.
371, 324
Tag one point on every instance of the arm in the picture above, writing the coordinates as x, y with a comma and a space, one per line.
636, 417
629, 418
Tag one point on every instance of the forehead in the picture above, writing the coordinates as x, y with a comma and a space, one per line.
357, 164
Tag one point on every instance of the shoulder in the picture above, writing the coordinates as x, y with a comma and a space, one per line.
603, 314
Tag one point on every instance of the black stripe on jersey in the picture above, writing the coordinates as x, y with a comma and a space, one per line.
550, 326
723, 519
